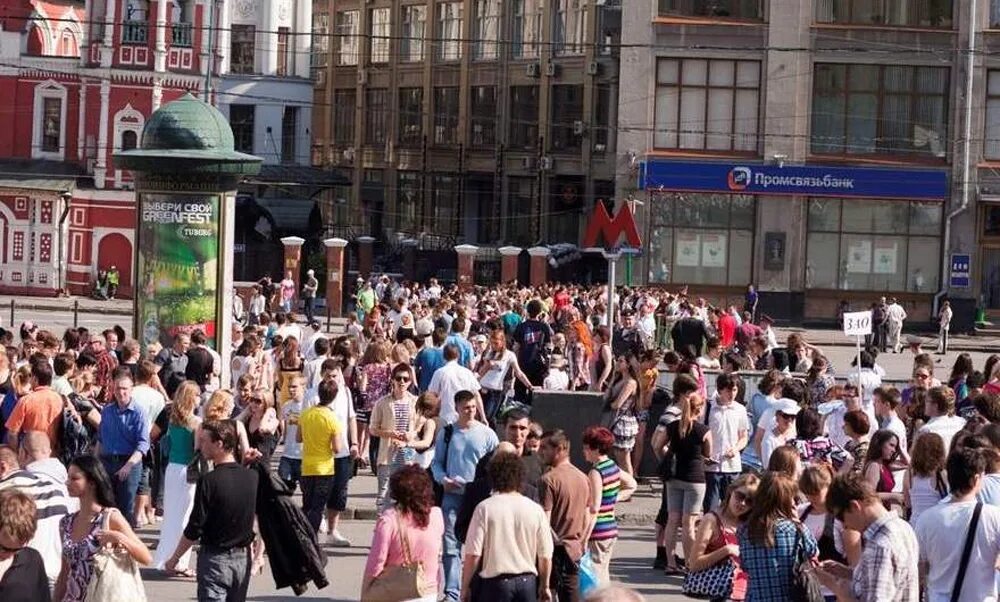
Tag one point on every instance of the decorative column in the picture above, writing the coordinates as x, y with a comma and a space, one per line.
410, 259
508, 263
539, 265
466, 261
101, 165
293, 255
160, 52
335, 275
366, 256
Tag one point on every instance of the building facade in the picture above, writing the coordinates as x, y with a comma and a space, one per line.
821, 150
476, 121
78, 81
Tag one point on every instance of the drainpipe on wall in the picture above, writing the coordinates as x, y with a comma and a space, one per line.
67, 198
966, 158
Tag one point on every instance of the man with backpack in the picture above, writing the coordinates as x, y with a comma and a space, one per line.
173, 363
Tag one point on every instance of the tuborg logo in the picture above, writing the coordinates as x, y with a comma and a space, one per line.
739, 178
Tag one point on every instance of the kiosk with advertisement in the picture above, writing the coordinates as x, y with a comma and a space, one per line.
186, 173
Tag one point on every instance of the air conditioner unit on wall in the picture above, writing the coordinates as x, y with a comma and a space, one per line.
532, 70
362, 76
545, 164
593, 68
528, 163
552, 70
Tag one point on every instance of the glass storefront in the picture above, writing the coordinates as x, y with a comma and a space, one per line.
701, 239
868, 245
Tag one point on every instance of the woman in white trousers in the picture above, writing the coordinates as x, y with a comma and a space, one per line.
178, 494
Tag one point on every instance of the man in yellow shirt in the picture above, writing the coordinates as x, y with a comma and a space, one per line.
319, 433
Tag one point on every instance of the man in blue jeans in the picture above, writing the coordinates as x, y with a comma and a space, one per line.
457, 449
729, 425
124, 440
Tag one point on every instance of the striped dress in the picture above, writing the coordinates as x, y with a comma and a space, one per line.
606, 526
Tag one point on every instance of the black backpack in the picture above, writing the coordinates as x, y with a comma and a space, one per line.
74, 439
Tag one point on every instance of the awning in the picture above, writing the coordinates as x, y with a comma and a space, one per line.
289, 214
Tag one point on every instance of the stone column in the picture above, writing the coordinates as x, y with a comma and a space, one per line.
366, 256
293, 255
410, 259
509, 263
160, 49
539, 265
466, 262
335, 275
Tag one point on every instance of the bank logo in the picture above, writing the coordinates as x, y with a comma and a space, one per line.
739, 178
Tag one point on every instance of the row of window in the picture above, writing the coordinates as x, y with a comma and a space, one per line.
566, 132
242, 120
856, 109
901, 13
243, 46
524, 19
709, 239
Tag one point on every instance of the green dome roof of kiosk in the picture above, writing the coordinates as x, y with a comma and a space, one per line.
187, 135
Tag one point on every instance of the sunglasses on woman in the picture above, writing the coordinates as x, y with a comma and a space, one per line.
743, 497
402, 379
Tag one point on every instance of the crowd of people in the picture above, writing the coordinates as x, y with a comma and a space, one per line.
431, 389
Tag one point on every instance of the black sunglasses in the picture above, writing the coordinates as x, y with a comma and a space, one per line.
402, 379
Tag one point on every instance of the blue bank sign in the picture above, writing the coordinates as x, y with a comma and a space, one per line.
809, 180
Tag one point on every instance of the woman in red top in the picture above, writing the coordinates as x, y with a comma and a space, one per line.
884, 458
716, 538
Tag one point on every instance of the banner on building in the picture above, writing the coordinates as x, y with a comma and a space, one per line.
688, 250
713, 250
859, 257
884, 260
178, 266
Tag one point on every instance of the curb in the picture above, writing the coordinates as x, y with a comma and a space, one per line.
110, 311
632, 519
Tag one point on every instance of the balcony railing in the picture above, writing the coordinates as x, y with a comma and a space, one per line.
135, 32
180, 34
724, 9
886, 13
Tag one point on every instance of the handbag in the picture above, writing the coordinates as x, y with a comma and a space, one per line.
587, 576
115, 575
197, 467
714, 582
805, 586
401, 582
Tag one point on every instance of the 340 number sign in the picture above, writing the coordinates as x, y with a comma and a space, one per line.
858, 323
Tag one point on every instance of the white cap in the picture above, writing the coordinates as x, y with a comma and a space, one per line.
310, 272
788, 407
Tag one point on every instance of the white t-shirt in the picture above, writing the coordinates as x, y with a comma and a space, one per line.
150, 400
293, 448
446, 382
343, 408
945, 426
989, 493
771, 442
941, 532
725, 424
291, 330
557, 380
816, 523
866, 382
494, 377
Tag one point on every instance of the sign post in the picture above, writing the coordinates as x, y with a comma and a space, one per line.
612, 258
858, 324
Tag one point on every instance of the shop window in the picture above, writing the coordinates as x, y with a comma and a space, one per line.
523, 117
567, 126
449, 31
484, 115
911, 13
411, 116
701, 239
241, 118
722, 9
446, 115
861, 244
344, 102
242, 48
880, 109
526, 32
991, 148
348, 38
376, 112
411, 43
487, 29
707, 104
380, 32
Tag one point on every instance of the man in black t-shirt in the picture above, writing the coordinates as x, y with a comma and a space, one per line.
689, 332
530, 340
225, 503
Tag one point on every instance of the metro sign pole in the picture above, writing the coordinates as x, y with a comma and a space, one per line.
611, 230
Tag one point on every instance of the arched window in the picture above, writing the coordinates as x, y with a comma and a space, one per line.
130, 140
36, 41
67, 44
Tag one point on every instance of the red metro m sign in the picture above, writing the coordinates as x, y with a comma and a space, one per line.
602, 226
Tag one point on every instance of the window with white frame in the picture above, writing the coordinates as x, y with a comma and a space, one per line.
411, 42
449, 31
49, 124
380, 20
242, 48
569, 24
527, 28
707, 104
487, 29
320, 40
348, 26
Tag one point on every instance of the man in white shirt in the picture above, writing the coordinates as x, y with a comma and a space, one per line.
836, 410
286, 327
940, 409
942, 531
290, 463
396, 314
343, 460
314, 367
312, 334
729, 426
151, 401
199, 341
765, 325
710, 361
450, 379
944, 327
895, 315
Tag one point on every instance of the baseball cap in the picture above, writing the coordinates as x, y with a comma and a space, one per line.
788, 407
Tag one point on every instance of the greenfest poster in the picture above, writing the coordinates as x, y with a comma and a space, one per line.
178, 266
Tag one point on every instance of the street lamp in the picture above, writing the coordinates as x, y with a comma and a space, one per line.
67, 199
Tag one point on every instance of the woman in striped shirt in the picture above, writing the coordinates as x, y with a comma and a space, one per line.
607, 483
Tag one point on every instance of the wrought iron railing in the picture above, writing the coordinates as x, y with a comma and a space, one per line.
180, 34
135, 32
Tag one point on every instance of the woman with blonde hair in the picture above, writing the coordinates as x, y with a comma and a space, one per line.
373, 378
261, 423
690, 443
220, 407
178, 493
